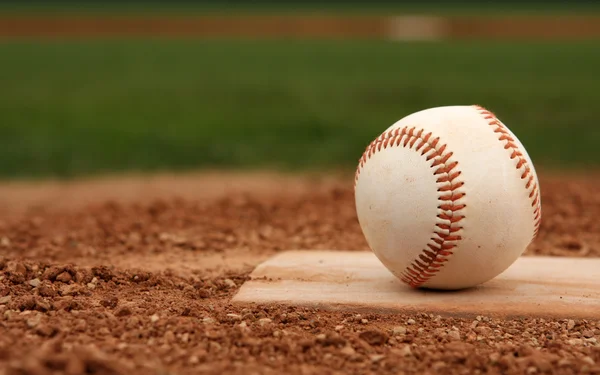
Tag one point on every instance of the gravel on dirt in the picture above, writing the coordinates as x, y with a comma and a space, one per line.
143, 287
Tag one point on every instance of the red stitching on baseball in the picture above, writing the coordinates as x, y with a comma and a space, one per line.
447, 232
521, 164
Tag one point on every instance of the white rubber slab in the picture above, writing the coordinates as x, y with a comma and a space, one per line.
357, 281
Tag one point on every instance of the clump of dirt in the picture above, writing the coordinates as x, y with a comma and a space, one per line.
98, 289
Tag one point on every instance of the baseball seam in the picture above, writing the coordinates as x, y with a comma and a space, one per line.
447, 230
522, 165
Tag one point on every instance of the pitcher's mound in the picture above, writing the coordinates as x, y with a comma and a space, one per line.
357, 281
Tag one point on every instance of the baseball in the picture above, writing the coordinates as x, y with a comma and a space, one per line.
447, 197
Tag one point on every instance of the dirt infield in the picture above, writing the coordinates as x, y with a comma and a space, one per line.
134, 276
392, 27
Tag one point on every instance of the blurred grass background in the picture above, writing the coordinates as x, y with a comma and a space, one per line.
77, 107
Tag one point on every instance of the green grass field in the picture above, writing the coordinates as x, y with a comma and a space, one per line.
74, 108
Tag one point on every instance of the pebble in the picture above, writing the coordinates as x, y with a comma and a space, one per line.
571, 324
33, 321
234, 316
405, 351
248, 316
44, 306
91, 286
575, 342
348, 350
35, 282
588, 334
122, 346
276, 333
264, 321
169, 336
454, 335
16, 267
194, 360
154, 318
208, 320
364, 321
483, 330
399, 330
339, 328
4, 300
589, 360
81, 325
495, 357
564, 362
4, 242
111, 302
374, 337
321, 337
70, 290
411, 321
79, 276
64, 277
123, 311
132, 322
376, 357
230, 283
439, 332
45, 330
46, 291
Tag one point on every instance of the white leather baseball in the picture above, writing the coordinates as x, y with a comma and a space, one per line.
447, 197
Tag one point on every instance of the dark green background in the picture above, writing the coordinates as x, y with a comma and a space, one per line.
345, 6
71, 108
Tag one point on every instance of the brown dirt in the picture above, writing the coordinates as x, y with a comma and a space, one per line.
89, 25
134, 276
